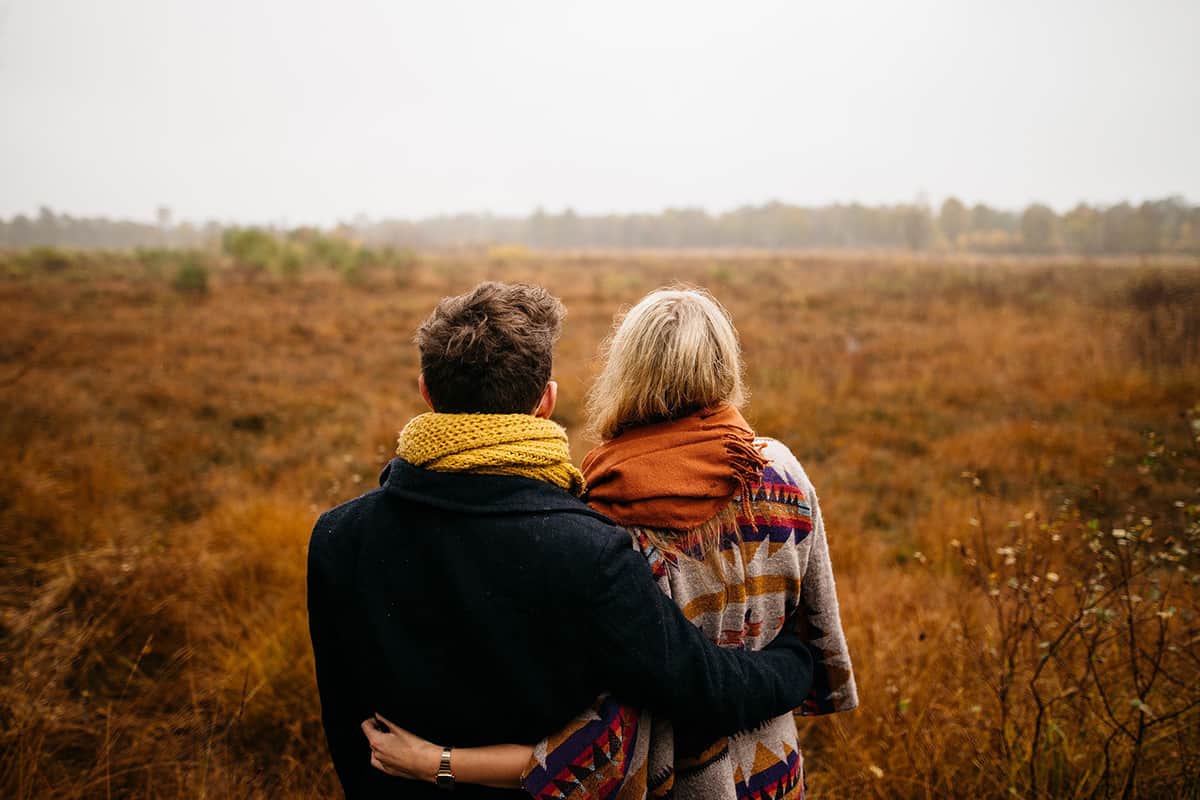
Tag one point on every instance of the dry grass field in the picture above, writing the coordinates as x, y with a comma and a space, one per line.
1007, 453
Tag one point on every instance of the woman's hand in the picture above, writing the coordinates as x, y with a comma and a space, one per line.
400, 753
406, 755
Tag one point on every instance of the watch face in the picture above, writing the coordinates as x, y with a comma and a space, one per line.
445, 780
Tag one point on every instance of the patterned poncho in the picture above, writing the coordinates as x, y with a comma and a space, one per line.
777, 573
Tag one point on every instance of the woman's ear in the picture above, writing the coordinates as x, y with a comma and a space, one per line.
425, 391
545, 406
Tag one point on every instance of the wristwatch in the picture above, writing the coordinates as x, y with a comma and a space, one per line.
445, 777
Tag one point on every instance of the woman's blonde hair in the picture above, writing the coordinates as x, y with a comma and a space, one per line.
673, 353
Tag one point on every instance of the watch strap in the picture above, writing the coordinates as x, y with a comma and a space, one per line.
445, 776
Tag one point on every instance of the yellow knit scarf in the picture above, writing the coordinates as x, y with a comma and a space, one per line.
491, 444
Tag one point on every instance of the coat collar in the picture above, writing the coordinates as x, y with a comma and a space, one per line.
479, 494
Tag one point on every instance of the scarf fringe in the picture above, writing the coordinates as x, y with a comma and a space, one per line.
748, 462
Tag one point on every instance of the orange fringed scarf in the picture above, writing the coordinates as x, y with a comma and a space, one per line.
677, 474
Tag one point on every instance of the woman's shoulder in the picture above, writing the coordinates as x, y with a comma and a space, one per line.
783, 468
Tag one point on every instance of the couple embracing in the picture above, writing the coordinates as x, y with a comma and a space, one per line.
495, 621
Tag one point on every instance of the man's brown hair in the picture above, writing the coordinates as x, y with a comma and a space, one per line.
490, 351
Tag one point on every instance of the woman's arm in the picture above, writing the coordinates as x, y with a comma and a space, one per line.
817, 618
406, 755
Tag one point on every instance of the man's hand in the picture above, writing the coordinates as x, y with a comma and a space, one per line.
400, 753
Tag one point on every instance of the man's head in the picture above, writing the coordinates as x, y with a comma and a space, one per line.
489, 351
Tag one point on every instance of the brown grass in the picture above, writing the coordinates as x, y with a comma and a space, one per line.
164, 454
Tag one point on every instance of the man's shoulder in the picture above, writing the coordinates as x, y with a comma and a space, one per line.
558, 525
578, 536
344, 515
335, 542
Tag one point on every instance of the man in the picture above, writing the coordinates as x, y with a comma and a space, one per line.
474, 598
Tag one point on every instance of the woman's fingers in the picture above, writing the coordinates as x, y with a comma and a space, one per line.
391, 746
368, 727
386, 723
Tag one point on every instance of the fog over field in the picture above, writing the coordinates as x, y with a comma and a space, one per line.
310, 113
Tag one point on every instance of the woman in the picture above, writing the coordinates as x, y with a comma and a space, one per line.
729, 525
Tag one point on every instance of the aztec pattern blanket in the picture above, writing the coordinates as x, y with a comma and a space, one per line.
777, 573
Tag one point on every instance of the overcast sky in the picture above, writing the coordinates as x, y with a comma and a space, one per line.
311, 112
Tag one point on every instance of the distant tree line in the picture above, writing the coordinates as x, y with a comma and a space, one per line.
1170, 225
63, 230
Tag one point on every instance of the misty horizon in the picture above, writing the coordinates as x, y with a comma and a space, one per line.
152, 217
1164, 226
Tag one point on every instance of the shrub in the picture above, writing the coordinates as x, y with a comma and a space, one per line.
49, 259
333, 251
352, 272
12, 265
292, 262
254, 251
1081, 630
154, 260
191, 277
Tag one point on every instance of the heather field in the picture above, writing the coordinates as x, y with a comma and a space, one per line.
1007, 454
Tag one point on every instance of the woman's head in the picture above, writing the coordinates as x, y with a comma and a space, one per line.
673, 353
